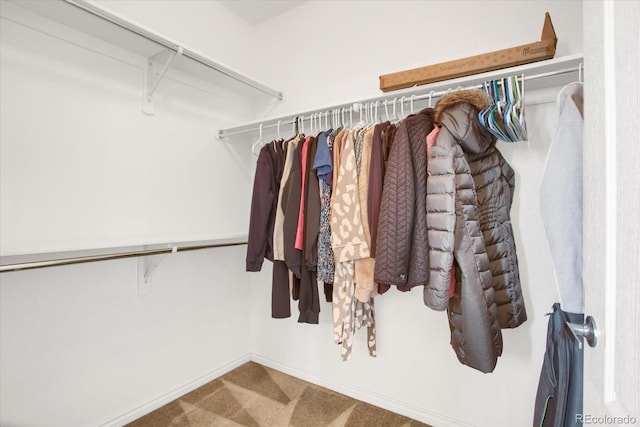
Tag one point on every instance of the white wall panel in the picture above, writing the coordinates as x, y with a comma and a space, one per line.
83, 167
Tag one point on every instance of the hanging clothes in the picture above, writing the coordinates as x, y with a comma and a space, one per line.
291, 205
401, 246
352, 214
264, 202
559, 396
278, 236
323, 165
470, 192
561, 205
560, 389
349, 244
309, 303
262, 225
364, 267
376, 180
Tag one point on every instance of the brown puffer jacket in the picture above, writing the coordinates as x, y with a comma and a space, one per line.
469, 195
401, 244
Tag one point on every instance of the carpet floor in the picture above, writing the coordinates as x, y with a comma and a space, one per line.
253, 395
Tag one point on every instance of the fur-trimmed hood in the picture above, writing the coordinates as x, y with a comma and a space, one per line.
458, 113
477, 98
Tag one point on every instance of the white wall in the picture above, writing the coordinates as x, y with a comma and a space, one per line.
334, 51
338, 52
81, 339
82, 167
80, 348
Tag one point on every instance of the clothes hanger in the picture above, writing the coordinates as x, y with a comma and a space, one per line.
520, 109
507, 112
494, 118
516, 109
395, 116
430, 98
505, 102
485, 117
507, 124
482, 114
498, 121
258, 142
412, 96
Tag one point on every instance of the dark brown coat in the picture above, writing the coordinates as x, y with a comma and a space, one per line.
401, 245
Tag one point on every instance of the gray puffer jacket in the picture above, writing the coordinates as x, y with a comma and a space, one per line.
470, 190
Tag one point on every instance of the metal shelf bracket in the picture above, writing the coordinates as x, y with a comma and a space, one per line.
146, 265
150, 82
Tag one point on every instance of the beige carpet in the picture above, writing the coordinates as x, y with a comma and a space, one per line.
256, 396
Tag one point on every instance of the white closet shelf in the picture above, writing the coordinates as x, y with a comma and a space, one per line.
538, 75
92, 19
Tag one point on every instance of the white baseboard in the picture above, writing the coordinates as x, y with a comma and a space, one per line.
385, 402
156, 403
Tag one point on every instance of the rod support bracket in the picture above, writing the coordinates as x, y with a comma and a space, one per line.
146, 266
151, 79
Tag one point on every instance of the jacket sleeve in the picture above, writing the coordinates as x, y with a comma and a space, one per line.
441, 220
261, 211
510, 177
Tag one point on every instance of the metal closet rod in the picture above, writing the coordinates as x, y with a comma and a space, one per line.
124, 24
105, 257
349, 107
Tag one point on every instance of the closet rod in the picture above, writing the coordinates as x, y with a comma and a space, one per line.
105, 257
407, 96
144, 33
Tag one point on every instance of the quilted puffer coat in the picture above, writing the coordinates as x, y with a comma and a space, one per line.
401, 244
469, 195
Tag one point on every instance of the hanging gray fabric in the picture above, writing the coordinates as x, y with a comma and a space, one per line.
559, 396
561, 198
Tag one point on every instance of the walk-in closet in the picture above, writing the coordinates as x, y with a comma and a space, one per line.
137, 185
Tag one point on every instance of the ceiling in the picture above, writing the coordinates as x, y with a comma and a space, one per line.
258, 11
